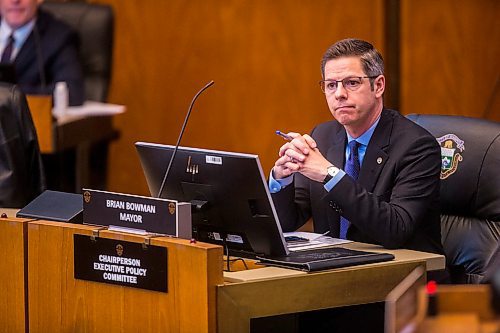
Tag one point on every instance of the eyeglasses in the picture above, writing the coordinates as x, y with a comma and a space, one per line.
350, 83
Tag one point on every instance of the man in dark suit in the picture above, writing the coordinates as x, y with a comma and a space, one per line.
371, 175
393, 198
44, 51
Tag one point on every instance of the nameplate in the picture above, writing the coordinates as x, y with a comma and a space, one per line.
122, 263
126, 211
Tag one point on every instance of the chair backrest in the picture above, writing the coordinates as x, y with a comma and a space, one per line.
22, 176
493, 270
470, 191
94, 24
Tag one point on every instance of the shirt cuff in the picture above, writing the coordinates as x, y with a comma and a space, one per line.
332, 182
275, 185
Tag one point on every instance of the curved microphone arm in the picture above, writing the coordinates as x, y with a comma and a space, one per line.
180, 137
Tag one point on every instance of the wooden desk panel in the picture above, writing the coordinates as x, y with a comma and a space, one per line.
70, 132
459, 308
74, 131
41, 112
60, 303
272, 291
13, 275
237, 303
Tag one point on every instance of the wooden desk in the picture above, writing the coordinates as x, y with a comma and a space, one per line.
456, 309
75, 131
270, 291
65, 133
38, 270
80, 133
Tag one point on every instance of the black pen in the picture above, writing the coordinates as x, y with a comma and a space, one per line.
284, 135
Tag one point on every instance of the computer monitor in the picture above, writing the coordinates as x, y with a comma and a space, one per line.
231, 203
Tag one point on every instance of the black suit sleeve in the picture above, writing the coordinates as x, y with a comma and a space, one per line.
293, 204
392, 215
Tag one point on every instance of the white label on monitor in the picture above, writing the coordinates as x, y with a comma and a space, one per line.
213, 159
234, 239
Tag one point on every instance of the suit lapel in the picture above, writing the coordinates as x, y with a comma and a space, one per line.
28, 52
376, 155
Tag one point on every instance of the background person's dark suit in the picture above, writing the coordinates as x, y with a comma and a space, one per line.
21, 171
52, 45
394, 203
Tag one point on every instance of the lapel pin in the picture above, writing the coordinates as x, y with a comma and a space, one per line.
379, 160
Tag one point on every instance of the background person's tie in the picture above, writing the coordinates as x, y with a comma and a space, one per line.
7, 51
352, 169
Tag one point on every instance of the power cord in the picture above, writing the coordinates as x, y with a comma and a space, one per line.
229, 260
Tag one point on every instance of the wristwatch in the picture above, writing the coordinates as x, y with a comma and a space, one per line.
331, 172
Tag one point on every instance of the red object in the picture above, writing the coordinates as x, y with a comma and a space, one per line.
193, 241
431, 287
432, 299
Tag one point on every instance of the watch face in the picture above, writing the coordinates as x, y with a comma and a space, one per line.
332, 171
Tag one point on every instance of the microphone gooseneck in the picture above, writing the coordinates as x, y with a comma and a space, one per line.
39, 58
180, 137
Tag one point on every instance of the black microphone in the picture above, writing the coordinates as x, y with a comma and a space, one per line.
39, 58
180, 137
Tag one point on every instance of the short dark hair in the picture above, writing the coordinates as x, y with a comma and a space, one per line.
371, 59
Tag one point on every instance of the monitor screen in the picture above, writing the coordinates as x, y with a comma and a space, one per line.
230, 200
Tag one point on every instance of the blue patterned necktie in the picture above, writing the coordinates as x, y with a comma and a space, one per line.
352, 169
7, 51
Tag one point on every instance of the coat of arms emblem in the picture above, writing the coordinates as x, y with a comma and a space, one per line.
451, 154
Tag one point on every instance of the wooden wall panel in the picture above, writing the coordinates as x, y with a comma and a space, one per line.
450, 57
263, 55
